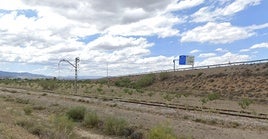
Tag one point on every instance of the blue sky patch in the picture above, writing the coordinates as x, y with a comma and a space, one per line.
27, 13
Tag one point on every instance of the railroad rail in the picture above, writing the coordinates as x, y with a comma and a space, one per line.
82, 98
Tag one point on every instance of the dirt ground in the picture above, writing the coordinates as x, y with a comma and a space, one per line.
193, 124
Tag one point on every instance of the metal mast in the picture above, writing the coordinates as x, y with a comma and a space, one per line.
75, 69
174, 64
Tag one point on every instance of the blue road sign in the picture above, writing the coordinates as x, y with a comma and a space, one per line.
182, 60
186, 60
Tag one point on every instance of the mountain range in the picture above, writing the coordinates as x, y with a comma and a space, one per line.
22, 75
26, 75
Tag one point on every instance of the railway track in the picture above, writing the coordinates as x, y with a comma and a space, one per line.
83, 98
186, 107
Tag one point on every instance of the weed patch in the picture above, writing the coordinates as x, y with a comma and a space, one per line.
91, 120
161, 132
76, 113
163, 76
28, 110
114, 126
63, 127
244, 103
145, 81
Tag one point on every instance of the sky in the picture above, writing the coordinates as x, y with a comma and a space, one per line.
128, 36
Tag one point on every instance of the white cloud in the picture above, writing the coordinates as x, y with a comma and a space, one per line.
206, 55
161, 25
225, 58
104, 13
14, 5
260, 45
221, 50
244, 50
255, 46
183, 4
194, 51
210, 13
216, 33
108, 42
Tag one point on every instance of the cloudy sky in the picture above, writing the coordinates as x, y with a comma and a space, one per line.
128, 36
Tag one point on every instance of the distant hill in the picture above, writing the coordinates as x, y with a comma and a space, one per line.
22, 75
79, 77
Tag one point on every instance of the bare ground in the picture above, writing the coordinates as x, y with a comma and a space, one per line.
187, 123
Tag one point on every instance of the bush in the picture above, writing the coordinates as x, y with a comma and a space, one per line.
213, 96
63, 127
76, 113
28, 110
244, 103
145, 81
114, 126
199, 74
163, 76
210, 97
32, 127
48, 84
22, 101
91, 120
123, 82
136, 135
161, 132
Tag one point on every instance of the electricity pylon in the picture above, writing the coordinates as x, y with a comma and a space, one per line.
75, 69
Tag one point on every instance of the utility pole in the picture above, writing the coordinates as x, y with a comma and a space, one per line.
75, 69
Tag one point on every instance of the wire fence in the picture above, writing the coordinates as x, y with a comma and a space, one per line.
203, 67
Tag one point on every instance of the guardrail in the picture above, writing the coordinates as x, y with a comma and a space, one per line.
204, 67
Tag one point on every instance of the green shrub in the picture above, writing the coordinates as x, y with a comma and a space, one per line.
204, 101
99, 89
48, 84
150, 94
168, 97
123, 82
126, 90
199, 74
145, 81
114, 126
163, 76
139, 91
22, 101
76, 113
63, 127
161, 132
244, 103
213, 96
91, 119
32, 127
210, 97
25, 123
28, 110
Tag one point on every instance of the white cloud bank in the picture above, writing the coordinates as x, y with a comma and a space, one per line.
220, 33
225, 58
255, 46
212, 14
